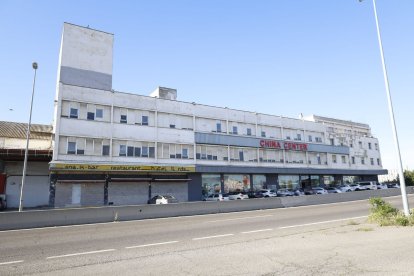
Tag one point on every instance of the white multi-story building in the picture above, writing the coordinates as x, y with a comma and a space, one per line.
120, 148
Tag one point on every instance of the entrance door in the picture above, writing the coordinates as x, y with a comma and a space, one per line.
76, 194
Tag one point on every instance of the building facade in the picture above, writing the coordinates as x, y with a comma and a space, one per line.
120, 148
12, 151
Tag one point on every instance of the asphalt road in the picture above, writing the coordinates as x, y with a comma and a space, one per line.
219, 244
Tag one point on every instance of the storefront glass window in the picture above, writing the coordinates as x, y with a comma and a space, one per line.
315, 180
289, 182
210, 184
259, 182
350, 179
328, 180
236, 183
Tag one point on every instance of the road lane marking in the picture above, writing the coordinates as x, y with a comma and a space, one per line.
221, 220
320, 222
81, 253
12, 262
257, 231
150, 244
212, 237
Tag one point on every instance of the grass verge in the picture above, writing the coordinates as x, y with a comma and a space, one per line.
385, 214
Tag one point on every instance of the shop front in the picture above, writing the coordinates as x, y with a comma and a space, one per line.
73, 185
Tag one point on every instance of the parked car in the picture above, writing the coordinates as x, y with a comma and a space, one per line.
381, 186
162, 199
393, 185
268, 193
333, 190
320, 191
255, 194
217, 197
285, 192
346, 188
309, 192
366, 185
299, 192
238, 195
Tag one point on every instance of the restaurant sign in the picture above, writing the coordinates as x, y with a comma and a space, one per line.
120, 168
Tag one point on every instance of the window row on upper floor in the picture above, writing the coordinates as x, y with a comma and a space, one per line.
144, 149
150, 118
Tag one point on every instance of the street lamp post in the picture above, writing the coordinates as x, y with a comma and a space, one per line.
391, 111
34, 65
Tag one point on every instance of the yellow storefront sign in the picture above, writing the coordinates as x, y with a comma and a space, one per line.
129, 168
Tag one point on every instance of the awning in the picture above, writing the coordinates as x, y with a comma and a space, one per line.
130, 179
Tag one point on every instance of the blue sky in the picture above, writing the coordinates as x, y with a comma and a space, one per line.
278, 57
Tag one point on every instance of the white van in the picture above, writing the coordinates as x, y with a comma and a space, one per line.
366, 185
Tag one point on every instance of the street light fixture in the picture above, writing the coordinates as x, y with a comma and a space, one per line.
391, 111
34, 65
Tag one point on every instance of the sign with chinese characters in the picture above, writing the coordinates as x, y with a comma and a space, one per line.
123, 168
272, 144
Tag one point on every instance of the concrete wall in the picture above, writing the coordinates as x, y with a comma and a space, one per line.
44, 218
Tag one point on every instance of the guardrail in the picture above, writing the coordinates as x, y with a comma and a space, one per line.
73, 216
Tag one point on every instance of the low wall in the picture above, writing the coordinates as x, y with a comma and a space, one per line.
59, 217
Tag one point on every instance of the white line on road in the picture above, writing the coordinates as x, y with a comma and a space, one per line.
81, 253
212, 237
256, 231
150, 244
320, 222
12, 262
221, 220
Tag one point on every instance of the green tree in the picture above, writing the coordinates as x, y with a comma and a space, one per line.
408, 177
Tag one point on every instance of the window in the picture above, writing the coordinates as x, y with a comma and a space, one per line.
318, 139
353, 159
90, 116
123, 119
130, 151
369, 145
122, 150
298, 137
378, 162
185, 153
332, 141
310, 138
334, 158
376, 146
351, 145
362, 161
137, 152
249, 131
105, 150
172, 126
372, 161
343, 159
360, 144
144, 120
241, 155
234, 129
71, 147
218, 127
263, 134
144, 152
99, 113
151, 152
73, 113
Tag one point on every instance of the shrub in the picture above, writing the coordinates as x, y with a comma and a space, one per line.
382, 212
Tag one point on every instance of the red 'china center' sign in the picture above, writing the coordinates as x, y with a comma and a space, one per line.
286, 145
